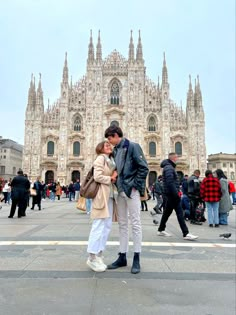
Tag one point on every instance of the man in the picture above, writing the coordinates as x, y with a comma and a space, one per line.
77, 189
172, 198
132, 170
194, 195
20, 188
210, 192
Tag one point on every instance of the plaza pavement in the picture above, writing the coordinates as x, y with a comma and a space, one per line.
43, 268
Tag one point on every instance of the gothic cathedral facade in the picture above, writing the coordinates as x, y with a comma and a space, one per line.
60, 141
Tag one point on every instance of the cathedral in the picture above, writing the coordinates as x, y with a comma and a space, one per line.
60, 141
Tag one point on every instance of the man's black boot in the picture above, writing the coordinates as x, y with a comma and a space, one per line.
120, 262
136, 265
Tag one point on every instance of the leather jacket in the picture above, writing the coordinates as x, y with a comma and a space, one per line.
133, 169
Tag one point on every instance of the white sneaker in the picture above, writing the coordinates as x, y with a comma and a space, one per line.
96, 265
190, 237
99, 258
163, 233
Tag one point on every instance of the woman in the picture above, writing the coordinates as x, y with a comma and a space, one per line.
225, 202
102, 206
58, 191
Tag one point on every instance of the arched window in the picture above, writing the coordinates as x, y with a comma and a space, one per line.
152, 124
50, 148
77, 124
232, 175
115, 93
114, 123
152, 148
178, 148
76, 148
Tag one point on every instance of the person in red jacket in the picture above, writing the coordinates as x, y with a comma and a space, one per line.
210, 192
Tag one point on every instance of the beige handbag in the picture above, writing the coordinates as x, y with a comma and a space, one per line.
33, 192
81, 204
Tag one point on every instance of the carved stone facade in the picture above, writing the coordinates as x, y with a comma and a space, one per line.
60, 142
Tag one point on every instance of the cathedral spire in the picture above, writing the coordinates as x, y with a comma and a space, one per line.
139, 51
131, 48
165, 84
39, 97
90, 49
65, 71
190, 94
31, 92
99, 49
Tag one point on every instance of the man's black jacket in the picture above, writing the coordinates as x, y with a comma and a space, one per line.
170, 179
134, 168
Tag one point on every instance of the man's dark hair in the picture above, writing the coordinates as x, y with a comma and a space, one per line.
208, 172
20, 172
112, 130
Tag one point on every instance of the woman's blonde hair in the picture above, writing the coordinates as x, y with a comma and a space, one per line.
100, 147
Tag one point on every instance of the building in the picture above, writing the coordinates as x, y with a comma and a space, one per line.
224, 161
11, 154
60, 141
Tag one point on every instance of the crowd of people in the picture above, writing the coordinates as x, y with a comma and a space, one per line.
121, 171
20, 191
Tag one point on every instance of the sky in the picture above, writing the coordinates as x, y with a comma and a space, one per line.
197, 36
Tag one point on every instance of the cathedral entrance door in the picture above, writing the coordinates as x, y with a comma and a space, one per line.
49, 177
152, 178
75, 175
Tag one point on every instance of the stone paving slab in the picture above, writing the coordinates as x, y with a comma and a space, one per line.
115, 296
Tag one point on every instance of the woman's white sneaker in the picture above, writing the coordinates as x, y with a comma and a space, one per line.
190, 237
163, 233
100, 258
96, 265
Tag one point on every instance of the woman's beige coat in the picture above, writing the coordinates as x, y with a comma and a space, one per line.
102, 175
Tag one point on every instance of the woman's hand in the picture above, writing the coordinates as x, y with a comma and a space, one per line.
114, 177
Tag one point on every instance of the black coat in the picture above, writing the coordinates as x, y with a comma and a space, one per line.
20, 186
134, 169
170, 179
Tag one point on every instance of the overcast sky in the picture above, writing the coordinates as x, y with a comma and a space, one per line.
198, 37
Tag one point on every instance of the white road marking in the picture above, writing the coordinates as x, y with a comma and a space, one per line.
114, 243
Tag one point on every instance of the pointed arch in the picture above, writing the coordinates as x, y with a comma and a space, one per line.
115, 91
152, 124
77, 123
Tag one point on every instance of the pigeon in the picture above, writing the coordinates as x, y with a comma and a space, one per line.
155, 222
225, 235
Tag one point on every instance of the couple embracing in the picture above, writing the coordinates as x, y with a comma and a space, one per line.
122, 175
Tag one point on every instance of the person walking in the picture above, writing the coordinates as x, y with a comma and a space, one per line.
58, 191
102, 206
132, 171
77, 189
225, 204
210, 191
36, 200
171, 198
20, 186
